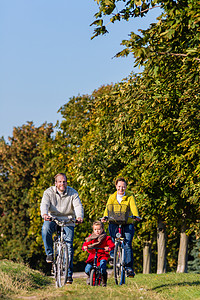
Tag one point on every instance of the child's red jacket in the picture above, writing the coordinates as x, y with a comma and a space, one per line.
102, 254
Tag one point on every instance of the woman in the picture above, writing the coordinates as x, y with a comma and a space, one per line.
122, 204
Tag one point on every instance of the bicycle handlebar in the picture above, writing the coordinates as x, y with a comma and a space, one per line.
106, 218
62, 222
95, 248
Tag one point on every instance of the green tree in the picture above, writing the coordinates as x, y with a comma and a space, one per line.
169, 51
58, 155
194, 262
19, 162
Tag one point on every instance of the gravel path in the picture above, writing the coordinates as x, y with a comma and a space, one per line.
83, 275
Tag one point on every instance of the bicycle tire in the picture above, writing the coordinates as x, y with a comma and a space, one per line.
119, 271
55, 263
93, 277
62, 265
98, 278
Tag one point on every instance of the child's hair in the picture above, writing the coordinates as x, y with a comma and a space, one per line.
98, 223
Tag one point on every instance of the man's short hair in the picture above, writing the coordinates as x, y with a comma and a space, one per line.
60, 174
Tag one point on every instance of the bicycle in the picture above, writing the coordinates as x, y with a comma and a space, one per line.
120, 218
95, 273
60, 252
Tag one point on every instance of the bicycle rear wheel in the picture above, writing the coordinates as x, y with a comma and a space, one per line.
62, 265
119, 271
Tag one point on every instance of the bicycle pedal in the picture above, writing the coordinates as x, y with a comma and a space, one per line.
111, 262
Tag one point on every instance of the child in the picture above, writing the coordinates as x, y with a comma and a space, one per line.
98, 239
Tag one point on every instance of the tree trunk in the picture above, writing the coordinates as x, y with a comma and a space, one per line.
183, 252
147, 258
161, 245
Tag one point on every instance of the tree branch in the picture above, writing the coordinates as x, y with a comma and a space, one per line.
132, 15
150, 8
177, 54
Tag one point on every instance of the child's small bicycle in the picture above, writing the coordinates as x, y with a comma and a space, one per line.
95, 273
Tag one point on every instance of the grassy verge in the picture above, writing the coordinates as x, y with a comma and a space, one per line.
18, 281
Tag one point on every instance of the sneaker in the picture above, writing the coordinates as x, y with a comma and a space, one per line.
69, 280
88, 280
49, 258
130, 274
104, 279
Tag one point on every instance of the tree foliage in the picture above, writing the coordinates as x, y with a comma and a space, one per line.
145, 128
19, 160
169, 51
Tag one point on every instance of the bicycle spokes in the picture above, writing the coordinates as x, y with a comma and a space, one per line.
62, 265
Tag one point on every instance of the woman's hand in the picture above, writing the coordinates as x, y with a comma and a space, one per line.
107, 249
85, 248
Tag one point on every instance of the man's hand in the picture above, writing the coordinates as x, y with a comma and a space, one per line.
80, 220
46, 217
85, 248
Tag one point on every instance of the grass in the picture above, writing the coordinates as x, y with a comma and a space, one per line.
18, 278
19, 282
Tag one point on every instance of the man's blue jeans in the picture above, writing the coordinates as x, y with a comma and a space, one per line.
128, 234
48, 229
103, 263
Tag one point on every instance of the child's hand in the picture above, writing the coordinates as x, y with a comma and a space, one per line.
85, 248
104, 219
107, 249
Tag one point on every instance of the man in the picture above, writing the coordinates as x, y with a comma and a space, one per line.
60, 201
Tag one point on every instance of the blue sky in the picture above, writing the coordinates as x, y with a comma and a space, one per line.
47, 57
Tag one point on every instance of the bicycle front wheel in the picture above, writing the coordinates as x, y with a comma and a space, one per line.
62, 265
119, 271
95, 278
55, 262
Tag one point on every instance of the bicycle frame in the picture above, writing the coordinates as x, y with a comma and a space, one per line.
95, 273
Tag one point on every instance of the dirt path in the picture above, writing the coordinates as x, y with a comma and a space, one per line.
83, 275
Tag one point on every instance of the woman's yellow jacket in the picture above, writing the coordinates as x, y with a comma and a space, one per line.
128, 202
